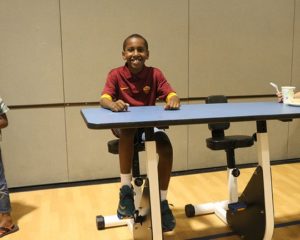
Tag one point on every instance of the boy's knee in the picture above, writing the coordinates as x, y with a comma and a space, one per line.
162, 137
163, 143
128, 132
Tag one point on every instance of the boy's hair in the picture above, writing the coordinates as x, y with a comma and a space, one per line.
135, 35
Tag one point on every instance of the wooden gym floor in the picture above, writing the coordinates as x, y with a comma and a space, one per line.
69, 213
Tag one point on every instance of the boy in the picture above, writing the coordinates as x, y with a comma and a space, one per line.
138, 85
6, 223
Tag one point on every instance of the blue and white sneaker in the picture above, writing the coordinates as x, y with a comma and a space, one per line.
126, 207
168, 220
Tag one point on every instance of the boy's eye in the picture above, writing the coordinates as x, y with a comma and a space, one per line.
139, 49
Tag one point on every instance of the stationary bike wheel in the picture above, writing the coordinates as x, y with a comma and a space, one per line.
100, 222
189, 210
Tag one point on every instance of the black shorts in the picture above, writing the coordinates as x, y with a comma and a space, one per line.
140, 134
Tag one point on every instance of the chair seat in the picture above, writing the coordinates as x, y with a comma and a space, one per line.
113, 146
229, 142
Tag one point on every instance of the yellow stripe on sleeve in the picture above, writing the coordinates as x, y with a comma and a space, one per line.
107, 96
171, 94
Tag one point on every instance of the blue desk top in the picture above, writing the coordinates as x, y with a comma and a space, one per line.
150, 116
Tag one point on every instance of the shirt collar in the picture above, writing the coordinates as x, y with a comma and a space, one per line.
141, 75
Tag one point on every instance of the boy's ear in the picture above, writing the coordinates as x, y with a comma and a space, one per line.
123, 55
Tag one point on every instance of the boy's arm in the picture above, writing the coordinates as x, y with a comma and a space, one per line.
172, 101
3, 121
115, 106
297, 95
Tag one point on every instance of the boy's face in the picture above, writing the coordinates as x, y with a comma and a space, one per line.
135, 54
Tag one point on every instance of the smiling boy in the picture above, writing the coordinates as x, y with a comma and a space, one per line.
135, 84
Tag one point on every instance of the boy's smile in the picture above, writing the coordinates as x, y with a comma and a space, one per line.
135, 54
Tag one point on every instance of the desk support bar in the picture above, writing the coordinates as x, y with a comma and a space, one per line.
152, 174
264, 162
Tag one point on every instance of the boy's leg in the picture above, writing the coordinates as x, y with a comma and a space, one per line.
5, 206
165, 152
126, 147
6, 222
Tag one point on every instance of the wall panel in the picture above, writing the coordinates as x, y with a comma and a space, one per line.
238, 47
93, 33
30, 56
296, 52
88, 157
34, 147
294, 139
179, 139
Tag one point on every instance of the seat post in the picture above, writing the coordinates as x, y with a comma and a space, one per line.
230, 156
135, 163
232, 174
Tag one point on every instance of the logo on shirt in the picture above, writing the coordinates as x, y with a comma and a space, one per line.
146, 89
123, 88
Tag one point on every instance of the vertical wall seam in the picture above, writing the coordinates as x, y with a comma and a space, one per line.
63, 86
188, 79
293, 43
292, 68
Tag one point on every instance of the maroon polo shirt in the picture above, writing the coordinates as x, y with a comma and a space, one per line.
142, 89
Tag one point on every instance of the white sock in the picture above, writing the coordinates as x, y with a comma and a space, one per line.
163, 195
126, 179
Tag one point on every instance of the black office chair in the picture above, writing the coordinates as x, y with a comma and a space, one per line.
219, 141
113, 221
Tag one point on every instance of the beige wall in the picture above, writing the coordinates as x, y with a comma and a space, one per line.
61, 51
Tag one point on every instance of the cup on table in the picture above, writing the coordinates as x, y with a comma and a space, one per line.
287, 93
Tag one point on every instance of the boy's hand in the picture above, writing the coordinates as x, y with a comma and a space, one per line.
279, 97
118, 106
3, 121
173, 104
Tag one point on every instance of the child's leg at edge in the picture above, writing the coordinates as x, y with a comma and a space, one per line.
165, 152
126, 148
